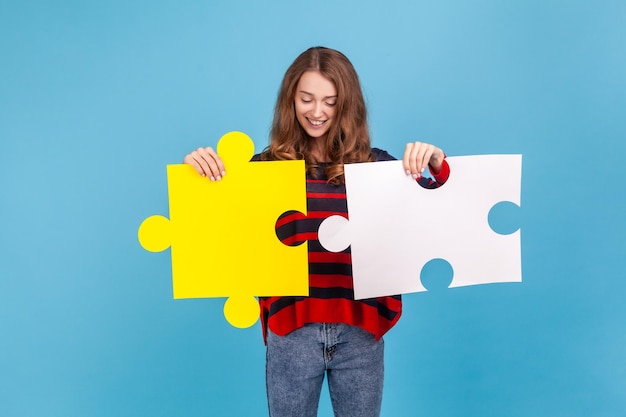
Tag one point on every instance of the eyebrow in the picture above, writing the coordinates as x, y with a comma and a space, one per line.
311, 94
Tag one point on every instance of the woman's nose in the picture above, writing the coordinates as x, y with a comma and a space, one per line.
317, 110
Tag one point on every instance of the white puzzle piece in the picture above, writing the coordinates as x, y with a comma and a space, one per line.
396, 226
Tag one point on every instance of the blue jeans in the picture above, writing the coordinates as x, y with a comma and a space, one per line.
297, 363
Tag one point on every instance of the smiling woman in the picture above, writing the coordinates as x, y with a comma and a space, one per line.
336, 100
320, 117
315, 107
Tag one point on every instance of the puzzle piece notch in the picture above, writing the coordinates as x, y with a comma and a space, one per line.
210, 225
394, 234
436, 275
504, 218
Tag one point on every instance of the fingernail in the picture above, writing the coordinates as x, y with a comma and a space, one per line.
223, 173
415, 176
219, 178
408, 172
212, 178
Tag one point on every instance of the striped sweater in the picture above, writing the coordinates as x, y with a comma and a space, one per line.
331, 294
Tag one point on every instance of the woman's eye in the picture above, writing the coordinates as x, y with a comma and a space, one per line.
306, 100
331, 103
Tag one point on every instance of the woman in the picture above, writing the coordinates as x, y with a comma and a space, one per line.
320, 117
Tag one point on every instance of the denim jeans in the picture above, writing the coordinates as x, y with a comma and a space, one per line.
297, 363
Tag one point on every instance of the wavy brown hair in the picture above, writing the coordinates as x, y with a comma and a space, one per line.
348, 138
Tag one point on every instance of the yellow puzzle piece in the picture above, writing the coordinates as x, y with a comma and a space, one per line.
222, 233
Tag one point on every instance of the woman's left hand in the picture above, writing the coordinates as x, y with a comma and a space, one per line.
417, 157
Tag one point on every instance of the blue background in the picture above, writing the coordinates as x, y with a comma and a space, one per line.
97, 97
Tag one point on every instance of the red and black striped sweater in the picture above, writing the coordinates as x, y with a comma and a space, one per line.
331, 295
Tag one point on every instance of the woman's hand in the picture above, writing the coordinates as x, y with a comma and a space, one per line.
417, 157
207, 162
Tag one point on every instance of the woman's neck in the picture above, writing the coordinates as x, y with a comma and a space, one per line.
318, 151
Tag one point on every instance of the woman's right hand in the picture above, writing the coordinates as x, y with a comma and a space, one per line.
207, 162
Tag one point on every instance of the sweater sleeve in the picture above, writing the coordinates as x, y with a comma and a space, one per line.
440, 178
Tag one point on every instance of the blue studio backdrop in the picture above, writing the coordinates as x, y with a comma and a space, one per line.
97, 97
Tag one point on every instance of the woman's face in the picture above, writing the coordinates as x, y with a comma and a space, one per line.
315, 100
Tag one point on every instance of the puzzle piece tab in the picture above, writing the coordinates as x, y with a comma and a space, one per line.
396, 226
222, 233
